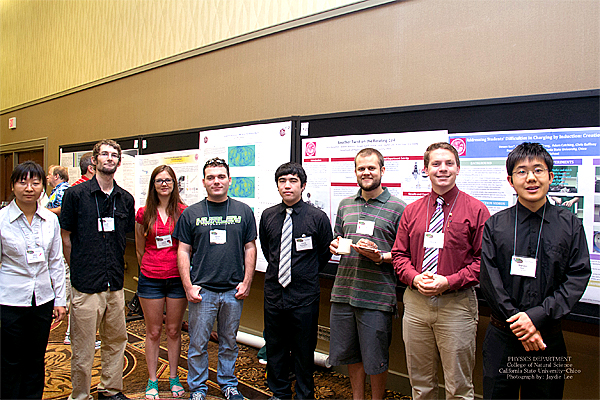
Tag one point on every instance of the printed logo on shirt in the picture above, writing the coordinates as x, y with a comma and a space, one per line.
230, 220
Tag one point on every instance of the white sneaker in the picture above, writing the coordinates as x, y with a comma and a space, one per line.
97, 345
67, 340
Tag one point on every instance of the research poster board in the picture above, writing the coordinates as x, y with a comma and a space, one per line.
329, 165
187, 168
253, 153
576, 154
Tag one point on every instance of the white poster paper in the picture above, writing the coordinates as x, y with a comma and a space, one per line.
253, 153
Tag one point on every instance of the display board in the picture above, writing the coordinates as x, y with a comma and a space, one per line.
562, 115
329, 165
575, 152
185, 164
253, 153
459, 119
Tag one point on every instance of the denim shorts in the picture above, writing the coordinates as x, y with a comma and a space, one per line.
360, 335
150, 288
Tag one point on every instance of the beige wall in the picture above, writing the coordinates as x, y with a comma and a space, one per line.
49, 46
412, 52
405, 53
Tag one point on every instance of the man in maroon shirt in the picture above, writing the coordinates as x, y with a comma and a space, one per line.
437, 254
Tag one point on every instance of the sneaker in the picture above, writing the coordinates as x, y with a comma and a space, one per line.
97, 344
67, 340
118, 396
197, 396
231, 393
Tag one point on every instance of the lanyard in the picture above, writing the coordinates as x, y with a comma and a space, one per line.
98, 210
226, 214
449, 214
539, 235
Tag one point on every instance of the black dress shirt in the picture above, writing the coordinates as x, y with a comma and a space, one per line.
307, 221
97, 261
563, 264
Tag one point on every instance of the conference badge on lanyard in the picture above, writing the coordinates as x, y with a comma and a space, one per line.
523, 266
162, 242
365, 227
35, 254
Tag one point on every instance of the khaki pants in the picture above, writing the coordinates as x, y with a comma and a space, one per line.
89, 312
440, 328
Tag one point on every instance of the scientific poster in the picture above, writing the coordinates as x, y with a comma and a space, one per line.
329, 165
187, 168
253, 153
576, 154
125, 175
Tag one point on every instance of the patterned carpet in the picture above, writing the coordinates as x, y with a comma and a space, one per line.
251, 374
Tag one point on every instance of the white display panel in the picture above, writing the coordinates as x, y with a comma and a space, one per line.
253, 153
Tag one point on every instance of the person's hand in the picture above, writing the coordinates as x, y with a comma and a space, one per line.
243, 290
569, 203
368, 249
534, 343
193, 294
557, 200
59, 313
429, 284
333, 246
521, 326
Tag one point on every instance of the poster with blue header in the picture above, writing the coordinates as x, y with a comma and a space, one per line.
576, 183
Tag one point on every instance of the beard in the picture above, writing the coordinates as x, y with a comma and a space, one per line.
375, 183
107, 170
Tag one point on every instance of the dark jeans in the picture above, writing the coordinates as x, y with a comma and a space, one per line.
291, 336
25, 332
503, 378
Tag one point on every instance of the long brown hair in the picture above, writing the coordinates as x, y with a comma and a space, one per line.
152, 202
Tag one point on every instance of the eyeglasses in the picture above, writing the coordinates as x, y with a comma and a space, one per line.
215, 161
168, 181
522, 173
106, 154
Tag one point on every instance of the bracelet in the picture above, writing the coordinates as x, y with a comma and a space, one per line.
381, 261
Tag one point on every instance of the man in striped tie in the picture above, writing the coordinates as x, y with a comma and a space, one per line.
437, 255
294, 237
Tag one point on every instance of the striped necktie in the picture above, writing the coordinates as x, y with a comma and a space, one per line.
285, 254
436, 225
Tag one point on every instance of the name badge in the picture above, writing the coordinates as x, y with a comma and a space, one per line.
365, 227
162, 242
35, 255
304, 243
218, 236
523, 266
434, 240
106, 224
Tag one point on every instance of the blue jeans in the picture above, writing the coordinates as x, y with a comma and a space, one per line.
227, 310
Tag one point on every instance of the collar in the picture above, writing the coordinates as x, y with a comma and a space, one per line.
15, 212
295, 208
448, 197
95, 187
526, 213
382, 198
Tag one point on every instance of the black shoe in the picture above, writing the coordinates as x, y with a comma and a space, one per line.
118, 396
